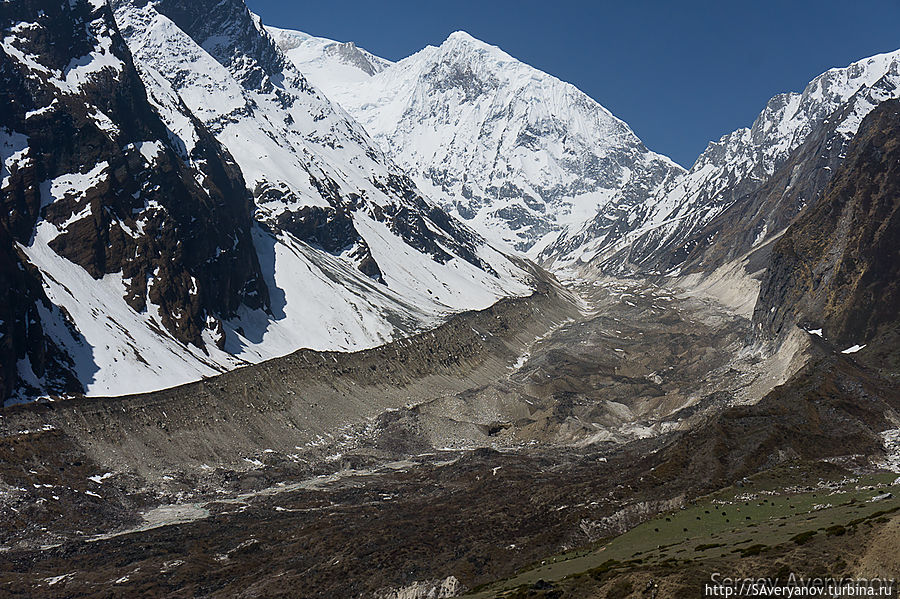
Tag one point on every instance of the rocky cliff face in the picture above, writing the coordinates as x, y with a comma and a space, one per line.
837, 267
26, 350
92, 176
179, 201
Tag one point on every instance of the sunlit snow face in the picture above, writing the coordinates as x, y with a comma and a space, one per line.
295, 150
518, 154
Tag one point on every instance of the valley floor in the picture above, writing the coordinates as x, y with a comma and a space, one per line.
575, 429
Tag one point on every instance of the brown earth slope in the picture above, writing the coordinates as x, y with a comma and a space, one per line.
838, 266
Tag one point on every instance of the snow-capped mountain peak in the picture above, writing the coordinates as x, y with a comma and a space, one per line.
461, 45
679, 220
181, 200
513, 151
463, 37
325, 59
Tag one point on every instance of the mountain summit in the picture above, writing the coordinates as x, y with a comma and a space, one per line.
180, 201
513, 151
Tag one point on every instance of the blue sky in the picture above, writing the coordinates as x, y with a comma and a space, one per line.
680, 73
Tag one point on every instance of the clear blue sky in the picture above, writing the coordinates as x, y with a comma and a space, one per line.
680, 73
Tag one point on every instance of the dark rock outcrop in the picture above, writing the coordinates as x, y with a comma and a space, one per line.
176, 227
838, 266
22, 336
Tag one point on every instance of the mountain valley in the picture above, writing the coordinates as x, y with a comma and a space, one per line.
283, 318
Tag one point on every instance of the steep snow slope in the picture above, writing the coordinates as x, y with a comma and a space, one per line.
182, 201
351, 251
740, 163
326, 62
120, 260
517, 153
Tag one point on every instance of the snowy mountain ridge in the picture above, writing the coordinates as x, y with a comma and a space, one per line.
324, 59
236, 215
215, 206
513, 151
489, 136
736, 165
